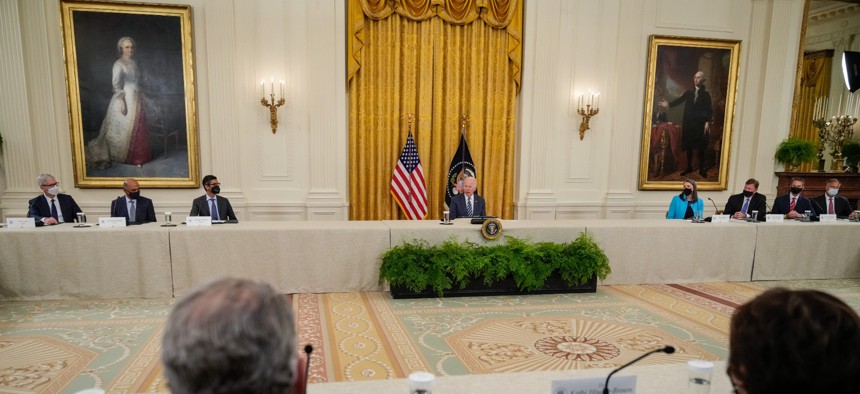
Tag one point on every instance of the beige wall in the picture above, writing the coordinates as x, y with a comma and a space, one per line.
300, 172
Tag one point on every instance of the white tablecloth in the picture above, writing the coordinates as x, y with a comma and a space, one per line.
807, 250
295, 257
650, 379
64, 262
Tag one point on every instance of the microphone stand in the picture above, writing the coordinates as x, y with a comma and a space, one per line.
667, 349
308, 350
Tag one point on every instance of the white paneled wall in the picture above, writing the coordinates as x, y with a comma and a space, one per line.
300, 173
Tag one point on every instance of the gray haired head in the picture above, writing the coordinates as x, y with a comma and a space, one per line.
42, 179
230, 336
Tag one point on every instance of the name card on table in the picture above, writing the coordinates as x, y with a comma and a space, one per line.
193, 221
774, 218
21, 222
720, 218
618, 384
105, 222
829, 217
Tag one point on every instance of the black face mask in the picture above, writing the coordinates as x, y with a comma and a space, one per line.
134, 195
747, 193
687, 192
796, 190
215, 189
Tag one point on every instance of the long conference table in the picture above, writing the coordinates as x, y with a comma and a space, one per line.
150, 261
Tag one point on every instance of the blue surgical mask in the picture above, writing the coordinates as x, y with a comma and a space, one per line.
832, 192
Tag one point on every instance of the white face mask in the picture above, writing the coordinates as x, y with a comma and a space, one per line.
832, 192
54, 190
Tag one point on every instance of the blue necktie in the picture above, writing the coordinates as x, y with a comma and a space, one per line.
213, 209
746, 205
54, 211
468, 206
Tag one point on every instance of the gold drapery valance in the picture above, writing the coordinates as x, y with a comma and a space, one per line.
498, 14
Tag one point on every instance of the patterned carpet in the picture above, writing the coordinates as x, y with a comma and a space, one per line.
62, 347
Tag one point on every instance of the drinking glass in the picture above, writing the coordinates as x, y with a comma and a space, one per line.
754, 216
82, 219
168, 216
446, 216
807, 214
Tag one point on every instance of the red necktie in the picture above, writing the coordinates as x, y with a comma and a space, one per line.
830, 208
793, 203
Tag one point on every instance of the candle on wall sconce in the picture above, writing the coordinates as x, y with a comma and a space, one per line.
587, 108
271, 103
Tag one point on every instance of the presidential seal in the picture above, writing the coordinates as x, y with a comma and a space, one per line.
492, 228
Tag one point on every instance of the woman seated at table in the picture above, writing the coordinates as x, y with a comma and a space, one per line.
687, 204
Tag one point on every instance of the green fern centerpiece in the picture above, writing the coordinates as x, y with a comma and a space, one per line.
452, 265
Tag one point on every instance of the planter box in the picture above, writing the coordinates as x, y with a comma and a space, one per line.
554, 285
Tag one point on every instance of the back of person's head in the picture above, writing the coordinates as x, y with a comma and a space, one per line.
803, 341
230, 336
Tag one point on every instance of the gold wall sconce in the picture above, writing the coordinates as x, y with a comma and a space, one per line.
270, 103
587, 107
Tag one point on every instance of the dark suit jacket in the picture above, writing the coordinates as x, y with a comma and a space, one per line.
144, 210
842, 205
200, 207
758, 202
782, 204
458, 207
39, 208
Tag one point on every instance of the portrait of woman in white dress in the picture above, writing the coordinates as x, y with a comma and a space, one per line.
124, 133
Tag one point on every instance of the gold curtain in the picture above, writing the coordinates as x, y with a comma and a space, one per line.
814, 83
428, 58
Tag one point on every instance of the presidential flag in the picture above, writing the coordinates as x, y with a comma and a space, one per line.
407, 183
462, 166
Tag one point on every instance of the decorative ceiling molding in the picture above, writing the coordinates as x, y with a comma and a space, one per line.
823, 11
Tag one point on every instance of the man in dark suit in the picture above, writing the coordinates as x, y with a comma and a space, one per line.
135, 209
832, 203
52, 207
468, 203
201, 205
741, 206
792, 205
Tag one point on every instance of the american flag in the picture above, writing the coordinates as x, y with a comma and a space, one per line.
407, 183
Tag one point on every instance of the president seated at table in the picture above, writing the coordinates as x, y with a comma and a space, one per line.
469, 203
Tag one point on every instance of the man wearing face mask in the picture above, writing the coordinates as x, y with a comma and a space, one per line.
52, 207
793, 205
210, 204
832, 203
741, 206
134, 208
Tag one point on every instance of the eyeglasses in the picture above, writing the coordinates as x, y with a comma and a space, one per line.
53, 184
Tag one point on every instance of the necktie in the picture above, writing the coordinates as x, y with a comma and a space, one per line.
213, 209
468, 206
54, 211
793, 203
132, 212
746, 205
830, 209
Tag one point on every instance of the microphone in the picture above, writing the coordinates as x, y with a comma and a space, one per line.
817, 206
666, 349
716, 211
308, 350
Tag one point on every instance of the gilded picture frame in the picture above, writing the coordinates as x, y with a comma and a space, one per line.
690, 93
131, 93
